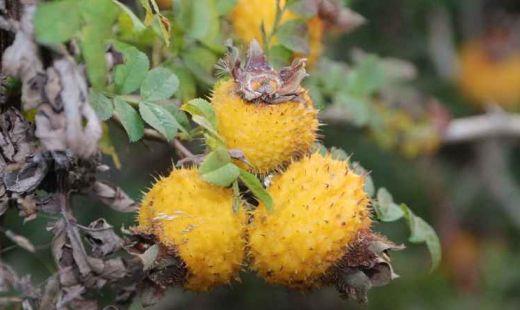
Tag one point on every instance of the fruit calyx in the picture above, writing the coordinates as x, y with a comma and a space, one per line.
366, 264
257, 81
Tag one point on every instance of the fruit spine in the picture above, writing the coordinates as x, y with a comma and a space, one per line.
195, 221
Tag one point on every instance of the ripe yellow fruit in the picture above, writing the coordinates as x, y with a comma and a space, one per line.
195, 219
270, 135
248, 15
320, 206
487, 80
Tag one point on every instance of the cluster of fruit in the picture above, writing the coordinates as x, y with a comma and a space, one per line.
318, 232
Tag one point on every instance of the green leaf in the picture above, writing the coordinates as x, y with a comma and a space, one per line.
159, 83
225, 6
101, 13
255, 186
203, 108
366, 78
159, 118
187, 89
159, 23
201, 62
204, 20
369, 183
420, 232
218, 169
338, 154
57, 22
130, 119
101, 104
183, 123
137, 24
386, 209
294, 36
320, 148
280, 56
129, 76
357, 109
93, 48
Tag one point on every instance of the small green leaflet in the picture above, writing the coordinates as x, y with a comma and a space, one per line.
130, 119
137, 24
202, 113
420, 231
366, 77
159, 23
218, 169
159, 118
294, 36
129, 76
93, 47
99, 13
204, 19
182, 120
159, 83
225, 6
202, 108
386, 209
369, 183
101, 104
57, 22
255, 186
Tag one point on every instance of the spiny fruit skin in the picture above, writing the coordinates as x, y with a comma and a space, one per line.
270, 135
319, 208
248, 15
487, 80
196, 220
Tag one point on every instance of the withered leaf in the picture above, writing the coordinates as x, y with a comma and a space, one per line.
102, 238
27, 178
114, 197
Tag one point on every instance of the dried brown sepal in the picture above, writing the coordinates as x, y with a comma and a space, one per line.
163, 267
257, 81
366, 264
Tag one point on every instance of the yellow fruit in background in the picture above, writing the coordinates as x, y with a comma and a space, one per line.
248, 15
316, 29
487, 79
195, 220
270, 135
320, 206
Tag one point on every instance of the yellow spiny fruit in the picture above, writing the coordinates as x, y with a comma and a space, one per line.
248, 15
319, 208
487, 80
196, 221
270, 135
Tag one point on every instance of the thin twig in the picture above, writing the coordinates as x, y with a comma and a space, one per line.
466, 129
483, 126
152, 134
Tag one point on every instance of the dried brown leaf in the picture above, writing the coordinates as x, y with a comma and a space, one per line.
114, 197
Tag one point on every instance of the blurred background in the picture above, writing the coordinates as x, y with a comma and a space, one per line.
466, 59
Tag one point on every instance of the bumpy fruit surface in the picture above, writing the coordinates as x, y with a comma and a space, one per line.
487, 79
270, 135
319, 208
248, 16
195, 219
